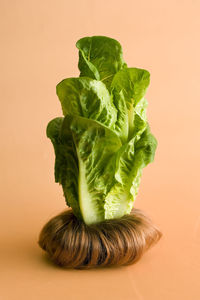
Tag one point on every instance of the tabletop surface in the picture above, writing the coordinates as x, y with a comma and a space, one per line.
37, 51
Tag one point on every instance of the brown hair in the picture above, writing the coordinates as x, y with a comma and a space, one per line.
71, 243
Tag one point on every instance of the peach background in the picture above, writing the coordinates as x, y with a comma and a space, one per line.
37, 51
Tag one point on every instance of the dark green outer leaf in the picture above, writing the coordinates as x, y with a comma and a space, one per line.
95, 146
128, 89
66, 164
100, 58
131, 159
87, 98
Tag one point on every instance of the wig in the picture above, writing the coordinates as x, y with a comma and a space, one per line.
71, 243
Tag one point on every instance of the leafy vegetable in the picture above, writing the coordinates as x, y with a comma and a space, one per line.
104, 140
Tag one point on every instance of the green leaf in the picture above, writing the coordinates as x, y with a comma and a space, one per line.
66, 163
140, 118
128, 89
131, 159
87, 98
95, 146
100, 58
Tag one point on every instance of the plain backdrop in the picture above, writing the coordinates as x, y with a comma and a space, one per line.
38, 51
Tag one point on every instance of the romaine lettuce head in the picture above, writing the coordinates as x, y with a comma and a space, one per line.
103, 141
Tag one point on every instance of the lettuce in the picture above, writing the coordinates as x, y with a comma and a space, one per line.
104, 140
